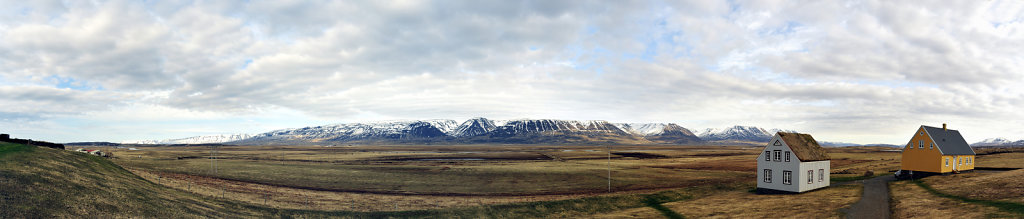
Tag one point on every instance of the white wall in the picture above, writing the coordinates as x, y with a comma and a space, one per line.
778, 167
815, 166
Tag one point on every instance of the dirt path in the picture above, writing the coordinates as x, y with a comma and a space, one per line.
875, 201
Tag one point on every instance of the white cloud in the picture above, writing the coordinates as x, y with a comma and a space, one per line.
850, 71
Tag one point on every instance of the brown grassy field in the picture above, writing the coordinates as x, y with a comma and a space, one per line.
984, 186
1000, 158
912, 201
744, 204
382, 178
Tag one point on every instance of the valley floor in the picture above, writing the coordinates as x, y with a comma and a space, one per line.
476, 181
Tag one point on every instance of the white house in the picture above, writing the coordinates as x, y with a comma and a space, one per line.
793, 162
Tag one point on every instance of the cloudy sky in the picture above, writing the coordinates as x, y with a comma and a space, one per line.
857, 71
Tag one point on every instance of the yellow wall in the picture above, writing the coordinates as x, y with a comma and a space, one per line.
929, 159
963, 165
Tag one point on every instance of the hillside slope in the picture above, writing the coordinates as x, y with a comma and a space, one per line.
40, 182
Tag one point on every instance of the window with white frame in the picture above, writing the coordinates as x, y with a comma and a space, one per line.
920, 144
767, 156
787, 156
778, 155
810, 176
931, 146
787, 177
958, 159
947, 161
821, 175
768, 175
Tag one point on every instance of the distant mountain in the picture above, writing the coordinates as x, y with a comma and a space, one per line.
474, 127
394, 131
533, 131
207, 139
481, 131
740, 133
486, 131
847, 144
666, 133
998, 142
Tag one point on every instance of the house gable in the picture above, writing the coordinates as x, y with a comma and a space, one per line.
948, 141
777, 144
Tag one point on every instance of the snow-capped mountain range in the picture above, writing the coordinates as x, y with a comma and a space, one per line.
991, 142
740, 133
483, 130
206, 139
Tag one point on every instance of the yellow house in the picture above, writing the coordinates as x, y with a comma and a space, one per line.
937, 150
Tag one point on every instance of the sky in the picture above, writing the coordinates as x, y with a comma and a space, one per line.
846, 71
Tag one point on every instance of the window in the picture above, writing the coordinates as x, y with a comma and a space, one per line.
931, 145
958, 161
787, 156
767, 156
787, 177
777, 143
821, 175
810, 176
767, 175
920, 144
968, 160
922, 133
947, 161
778, 155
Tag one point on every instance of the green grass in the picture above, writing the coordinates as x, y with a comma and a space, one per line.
11, 148
1001, 205
656, 204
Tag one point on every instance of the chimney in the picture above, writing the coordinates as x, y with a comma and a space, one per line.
943, 126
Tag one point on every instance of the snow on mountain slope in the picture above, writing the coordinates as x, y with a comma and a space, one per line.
525, 126
998, 142
743, 133
642, 129
362, 131
474, 127
207, 139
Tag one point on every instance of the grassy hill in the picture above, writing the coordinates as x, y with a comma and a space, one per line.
38, 182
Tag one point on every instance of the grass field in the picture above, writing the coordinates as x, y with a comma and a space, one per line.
48, 183
475, 181
973, 194
388, 178
911, 201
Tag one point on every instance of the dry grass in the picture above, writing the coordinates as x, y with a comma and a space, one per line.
984, 185
912, 201
292, 198
822, 203
452, 170
382, 178
1001, 160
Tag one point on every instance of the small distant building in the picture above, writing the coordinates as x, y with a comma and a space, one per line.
937, 150
793, 162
